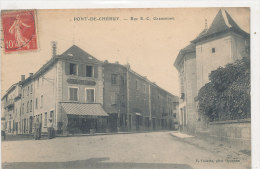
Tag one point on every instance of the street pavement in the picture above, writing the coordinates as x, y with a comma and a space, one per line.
154, 150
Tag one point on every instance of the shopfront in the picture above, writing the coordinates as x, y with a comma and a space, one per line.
84, 117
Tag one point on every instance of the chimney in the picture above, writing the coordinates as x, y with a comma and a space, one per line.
54, 48
22, 77
30, 74
127, 66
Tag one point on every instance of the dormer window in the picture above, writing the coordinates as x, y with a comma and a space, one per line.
89, 71
213, 50
70, 54
73, 69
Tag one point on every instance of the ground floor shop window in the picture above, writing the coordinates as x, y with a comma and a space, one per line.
77, 124
147, 122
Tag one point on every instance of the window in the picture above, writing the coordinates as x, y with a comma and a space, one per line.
144, 88
31, 106
28, 90
213, 50
73, 94
73, 69
42, 80
122, 81
113, 79
23, 108
38, 82
90, 95
117, 97
36, 103
31, 88
45, 119
89, 71
27, 107
52, 116
123, 97
182, 96
23, 92
41, 100
114, 99
136, 84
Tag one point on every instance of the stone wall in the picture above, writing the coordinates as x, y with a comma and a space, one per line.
236, 133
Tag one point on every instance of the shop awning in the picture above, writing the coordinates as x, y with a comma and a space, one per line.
84, 109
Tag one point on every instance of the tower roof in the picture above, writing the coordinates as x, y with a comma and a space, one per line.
222, 23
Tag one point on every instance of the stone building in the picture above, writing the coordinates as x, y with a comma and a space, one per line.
75, 92
11, 106
69, 92
134, 103
221, 43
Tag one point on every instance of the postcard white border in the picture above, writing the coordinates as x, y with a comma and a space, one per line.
254, 32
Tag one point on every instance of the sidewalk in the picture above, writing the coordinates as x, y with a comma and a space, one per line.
215, 147
21, 137
180, 135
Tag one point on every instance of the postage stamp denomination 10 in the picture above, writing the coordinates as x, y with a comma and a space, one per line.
19, 29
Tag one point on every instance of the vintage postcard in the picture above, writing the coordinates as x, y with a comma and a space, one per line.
126, 88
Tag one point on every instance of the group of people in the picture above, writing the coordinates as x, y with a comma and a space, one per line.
38, 130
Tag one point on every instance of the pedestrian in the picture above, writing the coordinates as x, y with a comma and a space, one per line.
50, 129
37, 130
40, 131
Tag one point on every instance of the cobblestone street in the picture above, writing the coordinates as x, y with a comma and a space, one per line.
139, 150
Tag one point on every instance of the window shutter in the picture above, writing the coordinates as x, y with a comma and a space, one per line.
92, 95
76, 94
84, 67
96, 71
81, 67
67, 68
71, 94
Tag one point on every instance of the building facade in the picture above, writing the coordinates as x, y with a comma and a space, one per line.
136, 104
76, 93
221, 43
27, 101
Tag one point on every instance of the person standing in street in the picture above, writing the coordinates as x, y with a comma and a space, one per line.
50, 129
37, 129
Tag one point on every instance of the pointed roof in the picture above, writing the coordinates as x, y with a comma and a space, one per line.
76, 53
222, 23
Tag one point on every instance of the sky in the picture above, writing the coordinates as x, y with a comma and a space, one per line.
149, 46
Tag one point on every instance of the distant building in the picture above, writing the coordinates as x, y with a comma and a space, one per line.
222, 43
11, 106
75, 92
134, 103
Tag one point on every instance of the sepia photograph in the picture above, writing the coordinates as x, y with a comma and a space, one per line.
126, 88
